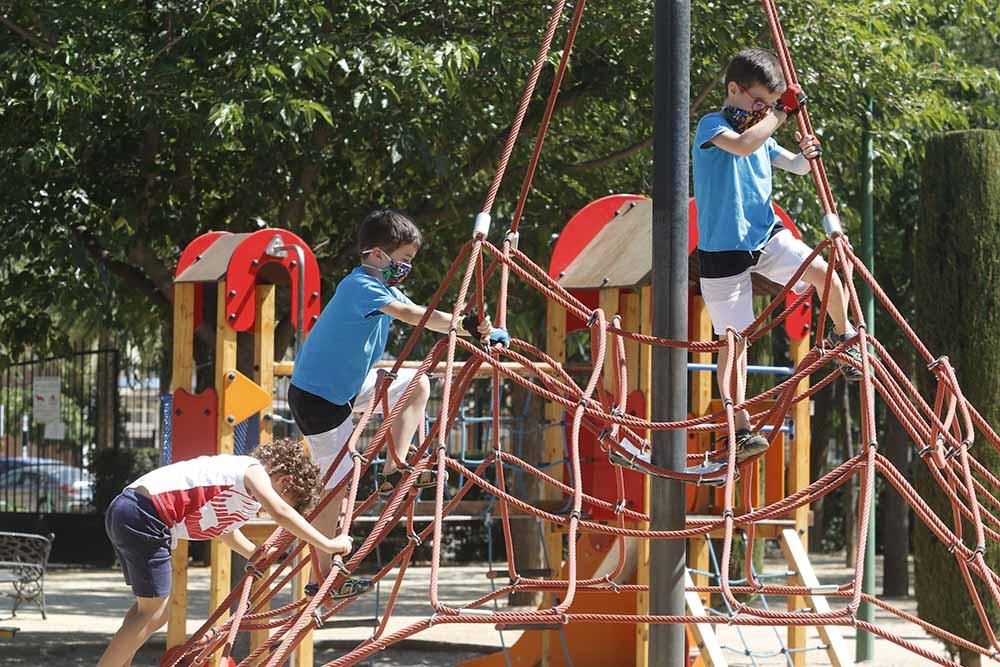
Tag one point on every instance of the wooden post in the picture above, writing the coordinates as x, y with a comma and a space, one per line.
632, 321
555, 346
608, 302
263, 350
225, 359
798, 478
642, 556
701, 400
182, 367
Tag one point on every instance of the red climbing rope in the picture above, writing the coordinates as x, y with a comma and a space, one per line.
943, 432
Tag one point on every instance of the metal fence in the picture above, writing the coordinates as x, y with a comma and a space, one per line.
56, 412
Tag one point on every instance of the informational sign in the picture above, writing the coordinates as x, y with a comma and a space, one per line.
55, 431
46, 399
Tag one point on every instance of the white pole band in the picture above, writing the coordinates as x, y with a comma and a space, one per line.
831, 223
482, 225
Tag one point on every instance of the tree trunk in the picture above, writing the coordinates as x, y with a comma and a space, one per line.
957, 297
822, 434
529, 548
894, 513
850, 506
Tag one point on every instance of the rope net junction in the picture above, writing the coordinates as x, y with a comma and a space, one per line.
944, 432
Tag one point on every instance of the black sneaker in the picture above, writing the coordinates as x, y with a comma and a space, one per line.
849, 370
749, 445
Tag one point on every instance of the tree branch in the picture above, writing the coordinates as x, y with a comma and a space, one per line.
643, 144
132, 276
34, 40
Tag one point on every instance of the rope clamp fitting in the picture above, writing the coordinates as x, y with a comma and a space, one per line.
413, 537
978, 551
924, 451
873, 444
603, 435
358, 456
832, 226
254, 571
592, 319
937, 362
728, 513
317, 619
616, 411
482, 224
513, 238
619, 506
576, 514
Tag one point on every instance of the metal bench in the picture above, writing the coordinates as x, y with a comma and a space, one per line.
24, 558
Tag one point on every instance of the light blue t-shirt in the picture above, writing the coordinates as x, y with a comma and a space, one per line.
733, 193
349, 337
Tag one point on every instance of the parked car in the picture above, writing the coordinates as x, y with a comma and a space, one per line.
53, 487
11, 462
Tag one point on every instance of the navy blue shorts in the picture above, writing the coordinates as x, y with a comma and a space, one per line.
142, 542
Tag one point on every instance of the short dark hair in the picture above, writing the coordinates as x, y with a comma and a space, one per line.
387, 229
756, 66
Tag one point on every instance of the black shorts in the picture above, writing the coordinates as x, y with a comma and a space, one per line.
142, 543
726, 263
314, 414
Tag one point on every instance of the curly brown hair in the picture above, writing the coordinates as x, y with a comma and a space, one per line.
287, 456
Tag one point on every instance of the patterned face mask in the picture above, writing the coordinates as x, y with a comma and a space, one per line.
395, 272
742, 120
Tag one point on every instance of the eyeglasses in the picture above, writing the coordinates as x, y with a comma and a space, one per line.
758, 104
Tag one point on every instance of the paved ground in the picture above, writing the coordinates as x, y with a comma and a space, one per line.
86, 606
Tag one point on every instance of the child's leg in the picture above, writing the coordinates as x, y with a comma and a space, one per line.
327, 522
738, 384
410, 417
145, 617
815, 275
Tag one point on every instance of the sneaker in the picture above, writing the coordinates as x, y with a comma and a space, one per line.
351, 587
749, 445
849, 370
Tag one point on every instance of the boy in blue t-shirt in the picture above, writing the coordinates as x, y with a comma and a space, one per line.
334, 371
738, 232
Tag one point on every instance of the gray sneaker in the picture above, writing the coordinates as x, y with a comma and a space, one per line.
849, 370
749, 445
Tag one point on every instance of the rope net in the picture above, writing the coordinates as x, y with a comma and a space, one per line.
943, 433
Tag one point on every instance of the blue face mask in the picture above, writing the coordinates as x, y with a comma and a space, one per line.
395, 272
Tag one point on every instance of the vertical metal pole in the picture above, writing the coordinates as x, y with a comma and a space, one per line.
865, 648
671, 101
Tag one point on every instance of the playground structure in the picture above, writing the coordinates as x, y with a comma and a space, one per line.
943, 432
235, 414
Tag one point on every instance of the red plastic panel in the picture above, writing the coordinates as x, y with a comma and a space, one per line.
598, 474
196, 423
241, 277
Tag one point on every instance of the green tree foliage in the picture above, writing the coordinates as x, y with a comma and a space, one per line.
126, 129
956, 250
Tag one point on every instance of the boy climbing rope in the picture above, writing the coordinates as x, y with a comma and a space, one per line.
738, 232
334, 372
202, 499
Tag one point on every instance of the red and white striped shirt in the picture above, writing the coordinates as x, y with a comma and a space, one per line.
202, 498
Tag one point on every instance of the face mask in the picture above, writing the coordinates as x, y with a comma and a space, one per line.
395, 272
742, 120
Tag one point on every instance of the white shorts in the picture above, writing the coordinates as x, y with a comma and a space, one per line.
730, 300
325, 446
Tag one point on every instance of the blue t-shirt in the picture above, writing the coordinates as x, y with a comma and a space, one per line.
349, 337
733, 193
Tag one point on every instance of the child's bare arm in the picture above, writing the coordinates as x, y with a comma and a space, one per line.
746, 143
439, 321
259, 484
239, 543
